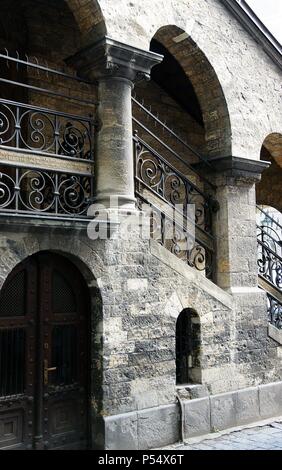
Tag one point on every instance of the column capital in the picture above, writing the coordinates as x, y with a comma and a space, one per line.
231, 170
111, 58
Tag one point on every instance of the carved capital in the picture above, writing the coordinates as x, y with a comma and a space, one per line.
110, 58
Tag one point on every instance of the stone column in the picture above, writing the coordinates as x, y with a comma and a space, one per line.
235, 223
116, 66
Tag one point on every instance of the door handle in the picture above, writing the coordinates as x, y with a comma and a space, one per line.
47, 370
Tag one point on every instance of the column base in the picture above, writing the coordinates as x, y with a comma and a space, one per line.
115, 202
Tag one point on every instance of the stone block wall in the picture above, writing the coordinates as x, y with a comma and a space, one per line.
142, 289
249, 78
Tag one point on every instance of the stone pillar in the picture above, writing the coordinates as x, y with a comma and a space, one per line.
235, 223
116, 66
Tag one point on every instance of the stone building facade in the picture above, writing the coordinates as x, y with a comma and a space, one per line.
213, 124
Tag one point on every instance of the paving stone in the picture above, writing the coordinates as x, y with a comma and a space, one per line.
259, 438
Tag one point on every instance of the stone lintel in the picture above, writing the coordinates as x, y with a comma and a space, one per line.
111, 58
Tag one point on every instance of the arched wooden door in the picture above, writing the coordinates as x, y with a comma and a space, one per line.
44, 310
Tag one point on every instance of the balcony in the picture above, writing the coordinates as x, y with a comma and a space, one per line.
47, 164
46, 155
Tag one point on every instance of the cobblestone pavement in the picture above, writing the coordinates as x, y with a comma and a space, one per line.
266, 437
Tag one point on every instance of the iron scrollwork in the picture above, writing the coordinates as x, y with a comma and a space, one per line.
274, 311
269, 255
45, 192
177, 240
156, 174
41, 130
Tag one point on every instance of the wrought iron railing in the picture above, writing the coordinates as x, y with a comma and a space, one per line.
46, 155
36, 191
155, 173
196, 252
168, 132
274, 311
270, 252
160, 182
269, 238
32, 129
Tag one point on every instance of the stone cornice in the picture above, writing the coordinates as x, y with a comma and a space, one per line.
238, 166
111, 58
240, 170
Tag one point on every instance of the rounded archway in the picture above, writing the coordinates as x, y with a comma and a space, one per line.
90, 19
45, 316
269, 191
207, 100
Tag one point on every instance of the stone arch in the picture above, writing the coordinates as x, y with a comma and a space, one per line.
269, 191
15, 255
187, 347
206, 85
273, 144
89, 18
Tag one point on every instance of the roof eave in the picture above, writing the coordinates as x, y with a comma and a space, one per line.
245, 15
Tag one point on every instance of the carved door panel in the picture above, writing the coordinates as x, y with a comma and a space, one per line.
63, 314
18, 302
43, 363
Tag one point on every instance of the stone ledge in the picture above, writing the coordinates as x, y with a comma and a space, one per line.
191, 274
275, 333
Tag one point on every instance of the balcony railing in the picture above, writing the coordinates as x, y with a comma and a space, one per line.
270, 251
46, 155
274, 311
32, 129
270, 265
36, 191
166, 180
47, 159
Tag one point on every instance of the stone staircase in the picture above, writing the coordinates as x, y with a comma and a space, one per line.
168, 182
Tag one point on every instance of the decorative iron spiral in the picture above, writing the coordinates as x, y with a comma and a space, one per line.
74, 192
7, 124
197, 257
75, 142
149, 171
274, 312
174, 188
7, 192
34, 185
40, 130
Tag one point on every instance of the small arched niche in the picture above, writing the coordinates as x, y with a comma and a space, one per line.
188, 342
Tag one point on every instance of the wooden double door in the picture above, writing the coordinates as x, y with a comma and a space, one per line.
44, 312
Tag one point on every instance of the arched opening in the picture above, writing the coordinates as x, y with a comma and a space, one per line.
186, 93
27, 35
46, 111
90, 20
188, 342
269, 191
45, 355
269, 228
